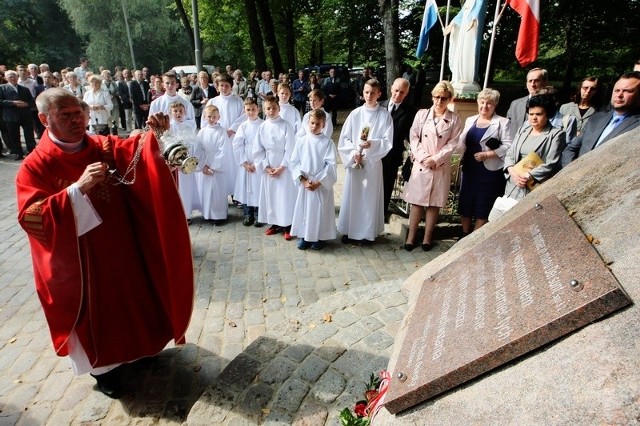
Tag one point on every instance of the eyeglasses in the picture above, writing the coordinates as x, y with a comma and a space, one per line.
439, 98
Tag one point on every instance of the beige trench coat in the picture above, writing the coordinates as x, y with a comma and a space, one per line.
427, 187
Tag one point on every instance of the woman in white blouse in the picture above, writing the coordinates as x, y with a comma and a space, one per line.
100, 105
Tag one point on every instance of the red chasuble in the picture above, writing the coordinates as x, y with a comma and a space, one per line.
126, 286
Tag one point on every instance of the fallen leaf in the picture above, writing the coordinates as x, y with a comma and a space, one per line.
266, 411
572, 212
589, 238
13, 340
231, 324
327, 318
283, 299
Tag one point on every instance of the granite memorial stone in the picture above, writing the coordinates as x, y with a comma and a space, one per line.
535, 281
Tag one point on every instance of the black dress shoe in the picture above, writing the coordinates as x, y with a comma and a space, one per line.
426, 246
409, 247
345, 239
109, 383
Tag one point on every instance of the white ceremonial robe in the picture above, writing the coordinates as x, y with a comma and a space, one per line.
163, 103
327, 129
185, 132
213, 188
231, 108
247, 189
272, 148
291, 115
314, 216
361, 211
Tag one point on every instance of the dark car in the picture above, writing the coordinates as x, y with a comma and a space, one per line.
342, 72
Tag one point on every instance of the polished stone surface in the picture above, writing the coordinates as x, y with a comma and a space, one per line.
526, 286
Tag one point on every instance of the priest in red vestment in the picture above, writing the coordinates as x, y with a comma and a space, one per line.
109, 241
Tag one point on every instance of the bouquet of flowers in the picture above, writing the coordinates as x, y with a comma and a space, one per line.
360, 415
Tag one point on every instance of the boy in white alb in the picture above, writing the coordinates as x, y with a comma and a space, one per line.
366, 137
212, 180
313, 166
287, 111
163, 103
184, 131
316, 101
271, 152
231, 109
247, 189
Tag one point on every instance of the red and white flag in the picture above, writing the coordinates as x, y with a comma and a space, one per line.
529, 34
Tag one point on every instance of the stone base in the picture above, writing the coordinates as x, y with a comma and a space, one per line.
464, 88
442, 231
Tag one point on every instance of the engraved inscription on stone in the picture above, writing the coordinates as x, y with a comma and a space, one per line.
534, 281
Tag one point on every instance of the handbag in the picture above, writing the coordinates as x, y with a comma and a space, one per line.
501, 206
406, 168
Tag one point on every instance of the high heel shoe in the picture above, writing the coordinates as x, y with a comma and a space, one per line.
409, 246
426, 246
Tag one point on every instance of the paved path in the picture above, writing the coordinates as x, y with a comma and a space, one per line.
278, 335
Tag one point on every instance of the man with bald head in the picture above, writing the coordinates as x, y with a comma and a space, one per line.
402, 114
537, 78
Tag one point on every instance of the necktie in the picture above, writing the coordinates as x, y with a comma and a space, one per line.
612, 125
393, 108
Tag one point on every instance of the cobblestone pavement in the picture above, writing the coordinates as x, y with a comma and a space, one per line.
278, 335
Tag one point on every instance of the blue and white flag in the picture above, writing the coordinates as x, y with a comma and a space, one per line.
428, 21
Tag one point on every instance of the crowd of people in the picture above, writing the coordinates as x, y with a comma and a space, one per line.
265, 143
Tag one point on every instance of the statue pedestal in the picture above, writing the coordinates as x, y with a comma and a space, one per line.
464, 88
465, 108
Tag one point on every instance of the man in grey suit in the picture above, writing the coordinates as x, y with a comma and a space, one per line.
603, 126
537, 78
17, 103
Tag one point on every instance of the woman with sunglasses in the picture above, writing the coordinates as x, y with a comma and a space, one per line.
433, 137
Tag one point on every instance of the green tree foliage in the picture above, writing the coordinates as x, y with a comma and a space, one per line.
37, 31
159, 41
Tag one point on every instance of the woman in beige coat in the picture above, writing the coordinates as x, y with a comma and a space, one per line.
433, 136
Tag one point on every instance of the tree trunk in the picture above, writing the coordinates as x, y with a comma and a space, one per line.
289, 34
269, 32
255, 35
389, 14
187, 26
570, 51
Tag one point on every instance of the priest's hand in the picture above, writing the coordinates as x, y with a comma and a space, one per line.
158, 122
92, 175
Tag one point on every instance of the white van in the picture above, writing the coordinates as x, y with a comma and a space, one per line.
191, 69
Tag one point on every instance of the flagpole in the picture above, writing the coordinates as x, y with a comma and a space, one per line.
444, 44
496, 19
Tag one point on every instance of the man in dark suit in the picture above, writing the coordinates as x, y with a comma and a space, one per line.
603, 126
125, 98
537, 78
201, 95
331, 88
139, 92
17, 103
402, 114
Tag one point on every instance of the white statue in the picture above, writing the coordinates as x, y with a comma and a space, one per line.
464, 50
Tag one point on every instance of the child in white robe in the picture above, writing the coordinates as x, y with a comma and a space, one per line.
231, 109
361, 215
184, 130
287, 111
316, 101
212, 180
313, 166
271, 152
247, 189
